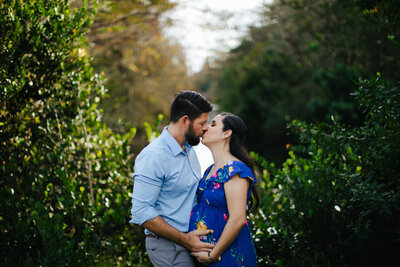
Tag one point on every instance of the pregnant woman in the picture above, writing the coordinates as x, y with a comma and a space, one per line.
224, 195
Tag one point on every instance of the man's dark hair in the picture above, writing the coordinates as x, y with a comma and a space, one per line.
188, 103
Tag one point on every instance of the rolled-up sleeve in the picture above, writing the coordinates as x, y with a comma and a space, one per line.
148, 178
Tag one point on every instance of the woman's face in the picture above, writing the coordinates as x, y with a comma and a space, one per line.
214, 132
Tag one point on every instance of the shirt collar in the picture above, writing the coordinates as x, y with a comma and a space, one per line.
172, 143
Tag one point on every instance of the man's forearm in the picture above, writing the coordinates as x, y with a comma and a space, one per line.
191, 240
160, 227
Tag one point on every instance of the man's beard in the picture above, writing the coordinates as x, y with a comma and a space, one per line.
191, 137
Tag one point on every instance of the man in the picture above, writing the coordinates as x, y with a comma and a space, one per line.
167, 173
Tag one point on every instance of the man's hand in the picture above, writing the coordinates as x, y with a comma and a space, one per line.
195, 244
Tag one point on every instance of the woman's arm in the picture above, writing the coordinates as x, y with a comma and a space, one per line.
236, 197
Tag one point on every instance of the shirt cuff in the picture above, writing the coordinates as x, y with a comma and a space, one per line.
142, 215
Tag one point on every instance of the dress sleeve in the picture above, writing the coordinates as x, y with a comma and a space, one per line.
235, 167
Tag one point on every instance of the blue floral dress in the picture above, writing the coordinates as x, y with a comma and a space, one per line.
211, 212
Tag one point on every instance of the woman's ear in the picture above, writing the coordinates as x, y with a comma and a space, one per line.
227, 133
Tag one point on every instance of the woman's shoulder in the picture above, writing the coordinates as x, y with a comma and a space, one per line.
238, 167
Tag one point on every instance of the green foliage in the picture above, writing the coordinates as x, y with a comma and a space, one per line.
65, 176
387, 10
303, 62
152, 132
336, 200
144, 69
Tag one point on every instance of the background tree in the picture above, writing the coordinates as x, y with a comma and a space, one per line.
144, 69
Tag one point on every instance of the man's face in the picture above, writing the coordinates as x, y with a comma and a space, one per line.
196, 129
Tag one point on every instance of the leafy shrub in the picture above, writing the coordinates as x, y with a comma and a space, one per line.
65, 176
336, 200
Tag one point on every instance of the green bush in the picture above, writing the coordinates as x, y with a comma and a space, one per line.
336, 200
65, 176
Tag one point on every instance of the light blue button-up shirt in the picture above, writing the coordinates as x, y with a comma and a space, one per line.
165, 182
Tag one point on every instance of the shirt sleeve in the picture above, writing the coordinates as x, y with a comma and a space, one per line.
148, 177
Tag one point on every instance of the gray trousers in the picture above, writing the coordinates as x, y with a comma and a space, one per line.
163, 253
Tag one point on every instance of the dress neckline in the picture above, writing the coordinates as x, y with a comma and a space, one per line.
209, 169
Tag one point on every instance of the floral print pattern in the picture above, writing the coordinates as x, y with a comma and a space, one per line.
211, 212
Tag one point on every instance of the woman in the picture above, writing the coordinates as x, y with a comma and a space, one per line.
223, 195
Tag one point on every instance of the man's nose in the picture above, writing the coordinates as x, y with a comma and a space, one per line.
205, 128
